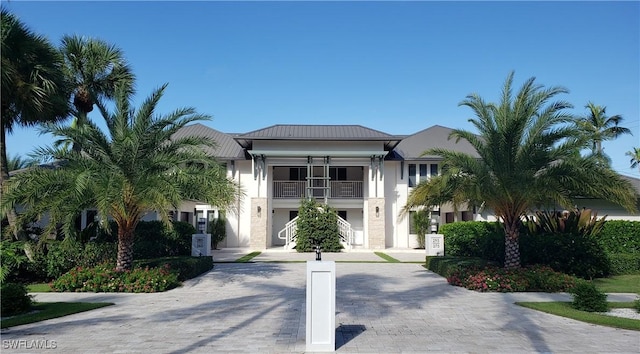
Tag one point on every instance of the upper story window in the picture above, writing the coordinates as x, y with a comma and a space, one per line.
412, 175
338, 173
421, 172
297, 174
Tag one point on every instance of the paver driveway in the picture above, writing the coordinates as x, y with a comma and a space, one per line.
260, 308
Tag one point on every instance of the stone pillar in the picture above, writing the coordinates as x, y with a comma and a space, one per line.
259, 223
376, 223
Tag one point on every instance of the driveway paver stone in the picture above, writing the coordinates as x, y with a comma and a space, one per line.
260, 308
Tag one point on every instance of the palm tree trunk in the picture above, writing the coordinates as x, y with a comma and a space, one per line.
4, 177
125, 249
511, 245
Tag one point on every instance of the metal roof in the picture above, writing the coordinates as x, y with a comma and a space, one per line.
318, 133
226, 149
412, 147
634, 181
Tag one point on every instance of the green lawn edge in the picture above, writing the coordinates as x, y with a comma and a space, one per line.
386, 257
41, 311
247, 257
39, 288
564, 309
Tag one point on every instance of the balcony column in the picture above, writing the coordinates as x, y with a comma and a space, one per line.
259, 224
376, 223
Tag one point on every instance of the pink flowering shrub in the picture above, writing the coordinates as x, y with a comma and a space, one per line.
535, 278
104, 278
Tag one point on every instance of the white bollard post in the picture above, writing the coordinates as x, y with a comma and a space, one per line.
321, 306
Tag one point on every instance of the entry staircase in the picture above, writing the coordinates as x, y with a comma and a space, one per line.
289, 233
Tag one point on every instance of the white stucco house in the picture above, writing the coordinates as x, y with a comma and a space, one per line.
365, 174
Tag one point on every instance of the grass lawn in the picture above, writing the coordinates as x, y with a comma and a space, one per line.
386, 257
41, 311
39, 288
629, 283
564, 309
247, 257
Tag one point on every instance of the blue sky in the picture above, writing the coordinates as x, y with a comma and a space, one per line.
398, 67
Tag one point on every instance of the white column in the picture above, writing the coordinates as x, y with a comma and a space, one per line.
321, 306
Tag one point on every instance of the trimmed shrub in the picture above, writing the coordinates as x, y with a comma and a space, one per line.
586, 297
446, 265
185, 267
620, 236
61, 256
572, 254
511, 280
317, 226
154, 239
96, 253
624, 263
474, 239
105, 278
15, 299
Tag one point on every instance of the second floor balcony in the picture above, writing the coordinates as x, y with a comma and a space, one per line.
301, 189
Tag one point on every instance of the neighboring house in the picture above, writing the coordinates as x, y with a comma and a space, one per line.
365, 174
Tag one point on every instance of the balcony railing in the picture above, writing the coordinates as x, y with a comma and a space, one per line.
298, 190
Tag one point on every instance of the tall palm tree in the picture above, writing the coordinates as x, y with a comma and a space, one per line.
635, 157
136, 166
597, 127
94, 68
33, 90
528, 159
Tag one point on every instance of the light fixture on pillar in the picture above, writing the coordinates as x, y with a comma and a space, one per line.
259, 211
377, 212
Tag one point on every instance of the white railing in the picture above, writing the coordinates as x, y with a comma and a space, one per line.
346, 189
298, 190
346, 232
289, 233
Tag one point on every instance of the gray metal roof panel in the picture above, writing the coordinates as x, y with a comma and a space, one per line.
436, 136
316, 132
227, 148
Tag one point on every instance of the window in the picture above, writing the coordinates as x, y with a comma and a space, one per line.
423, 172
338, 173
448, 217
342, 214
467, 216
434, 170
412, 175
298, 174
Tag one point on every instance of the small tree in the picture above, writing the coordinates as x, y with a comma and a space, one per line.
317, 226
421, 223
218, 230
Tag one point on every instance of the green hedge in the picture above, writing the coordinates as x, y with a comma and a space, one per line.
624, 263
620, 236
153, 239
446, 265
577, 255
15, 299
186, 267
474, 239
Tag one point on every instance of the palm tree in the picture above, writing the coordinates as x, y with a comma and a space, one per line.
94, 68
635, 157
136, 166
597, 127
16, 162
528, 159
33, 90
